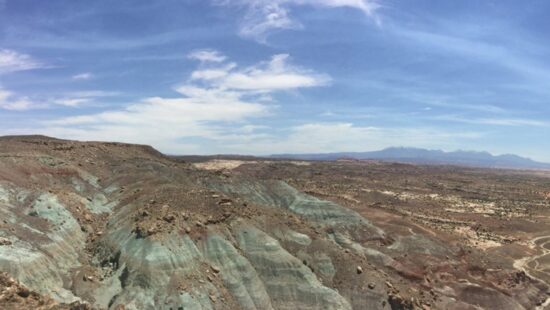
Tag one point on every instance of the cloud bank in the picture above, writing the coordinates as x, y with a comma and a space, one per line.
217, 101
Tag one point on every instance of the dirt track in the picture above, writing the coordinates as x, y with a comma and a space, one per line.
535, 266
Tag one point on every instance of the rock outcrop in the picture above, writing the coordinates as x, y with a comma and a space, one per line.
115, 225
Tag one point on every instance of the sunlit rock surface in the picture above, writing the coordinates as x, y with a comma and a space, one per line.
114, 224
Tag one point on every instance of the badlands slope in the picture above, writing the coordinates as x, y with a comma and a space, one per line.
118, 226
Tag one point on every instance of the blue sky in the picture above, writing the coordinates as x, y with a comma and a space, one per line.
263, 77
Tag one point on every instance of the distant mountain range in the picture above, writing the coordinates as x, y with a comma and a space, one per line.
424, 156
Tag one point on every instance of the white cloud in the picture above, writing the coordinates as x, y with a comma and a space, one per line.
265, 16
208, 74
158, 121
212, 73
78, 98
369, 7
11, 61
275, 74
219, 100
72, 102
83, 76
10, 101
207, 55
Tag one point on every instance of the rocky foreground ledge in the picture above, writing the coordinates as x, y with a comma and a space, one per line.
118, 226
15, 296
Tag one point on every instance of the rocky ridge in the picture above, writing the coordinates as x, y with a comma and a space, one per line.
114, 225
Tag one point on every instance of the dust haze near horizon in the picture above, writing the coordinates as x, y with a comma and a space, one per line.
285, 76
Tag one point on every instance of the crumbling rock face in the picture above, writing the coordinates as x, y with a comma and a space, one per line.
289, 282
14, 296
281, 195
121, 226
237, 273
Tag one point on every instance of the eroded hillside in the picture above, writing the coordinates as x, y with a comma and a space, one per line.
117, 225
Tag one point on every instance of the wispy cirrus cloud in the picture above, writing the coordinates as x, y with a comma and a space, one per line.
76, 99
207, 55
93, 93
82, 76
12, 61
320, 137
474, 46
450, 102
265, 16
12, 102
502, 121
